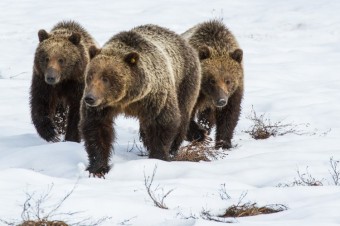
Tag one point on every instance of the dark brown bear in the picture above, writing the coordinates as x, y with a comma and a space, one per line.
219, 102
149, 73
58, 80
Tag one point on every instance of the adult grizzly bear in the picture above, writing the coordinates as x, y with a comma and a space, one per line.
219, 101
149, 73
58, 80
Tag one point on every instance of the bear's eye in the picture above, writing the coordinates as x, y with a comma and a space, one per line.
228, 82
47, 59
212, 81
61, 61
105, 79
89, 77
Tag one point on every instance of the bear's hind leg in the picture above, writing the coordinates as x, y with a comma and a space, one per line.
72, 131
160, 133
181, 134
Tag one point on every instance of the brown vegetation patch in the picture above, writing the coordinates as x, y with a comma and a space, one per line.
199, 151
251, 209
43, 223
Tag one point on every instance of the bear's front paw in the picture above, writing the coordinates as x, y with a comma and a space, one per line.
51, 135
223, 144
199, 135
97, 170
47, 131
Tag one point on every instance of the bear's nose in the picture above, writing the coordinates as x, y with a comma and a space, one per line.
51, 76
89, 99
221, 102
50, 79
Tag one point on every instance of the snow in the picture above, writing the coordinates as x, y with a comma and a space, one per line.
292, 54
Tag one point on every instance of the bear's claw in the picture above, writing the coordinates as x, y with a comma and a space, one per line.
198, 135
98, 171
47, 131
223, 144
98, 175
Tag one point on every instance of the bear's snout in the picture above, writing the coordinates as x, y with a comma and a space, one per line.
51, 76
220, 98
90, 99
221, 102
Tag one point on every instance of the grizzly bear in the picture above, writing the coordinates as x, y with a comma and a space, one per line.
58, 80
219, 101
149, 73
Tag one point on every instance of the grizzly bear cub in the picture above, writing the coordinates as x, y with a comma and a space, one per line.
219, 101
149, 73
58, 80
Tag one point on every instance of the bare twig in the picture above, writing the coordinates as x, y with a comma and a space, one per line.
242, 196
16, 75
223, 193
158, 199
37, 208
127, 221
184, 217
307, 179
128, 148
35, 211
141, 151
304, 179
335, 171
90, 222
7, 222
263, 128
25, 214
53, 211
206, 215
325, 133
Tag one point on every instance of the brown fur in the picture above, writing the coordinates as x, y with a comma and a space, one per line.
149, 73
58, 79
222, 82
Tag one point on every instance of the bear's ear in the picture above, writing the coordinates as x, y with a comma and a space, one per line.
237, 55
132, 58
94, 51
74, 38
43, 35
204, 52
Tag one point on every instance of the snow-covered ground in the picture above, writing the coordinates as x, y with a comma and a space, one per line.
292, 52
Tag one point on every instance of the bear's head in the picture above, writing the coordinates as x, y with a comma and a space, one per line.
111, 79
57, 57
221, 74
